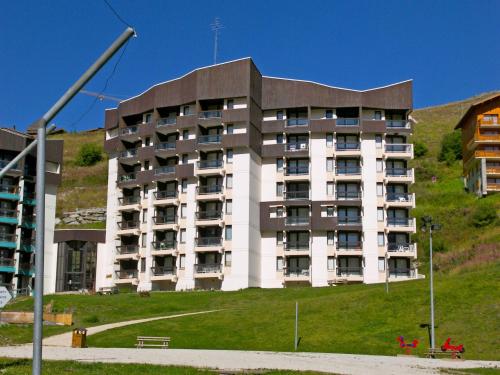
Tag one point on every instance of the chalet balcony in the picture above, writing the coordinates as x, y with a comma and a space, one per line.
344, 121
209, 114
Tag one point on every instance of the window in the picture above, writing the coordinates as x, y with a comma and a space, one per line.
227, 258
279, 211
331, 263
279, 238
145, 215
330, 238
144, 238
184, 185
229, 207
147, 142
279, 189
143, 264
279, 115
279, 138
279, 264
145, 190
184, 158
380, 214
183, 210
329, 188
186, 110
229, 155
378, 140
380, 189
182, 236
185, 134
380, 165
229, 232
329, 164
329, 140
329, 211
329, 113
377, 115
146, 165
279, 165
380, 238
230, 104
229, 181
182, 261
230, 128
381, 264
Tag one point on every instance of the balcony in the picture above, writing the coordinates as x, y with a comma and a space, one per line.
129, 200
203, 115
343, 173
8, 216
209, 215
8, 241
402, 273
297, 122
345, 121
163, 273
15, 168
132, 152
349, 220
296, 246
165, 146
208, 242
126, 276
165, 219
401, 223
349, 246
296, 195
492, 169
400, 197
399, 174
402, 249
487, 153
297, 220
210, 164
164, 246
127, 251
209, 189
165, 194
297, 171
127, 177
350, 273
491, 186
398, 124
297, 146
348, 195
28, 198
207, 270
166, 121
164, 170
26, 269
28, 222
400, 149
128, 227
348, 147
28, 246
131, 130
209, 139
7, 265
296, 274
10, 192
488, 123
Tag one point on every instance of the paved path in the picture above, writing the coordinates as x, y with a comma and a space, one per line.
247, 360
64, 339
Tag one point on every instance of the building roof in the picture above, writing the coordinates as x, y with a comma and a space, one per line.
466, 115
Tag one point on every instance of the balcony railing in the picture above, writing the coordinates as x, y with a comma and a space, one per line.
341, 171
126, 274
209, 189
487, 153
398, 172
208, 268
349, 146
208, 241
129, 130
7, 262
297, 146
297, 220
349, 245
164, 245
297, 122
348, 195
210, 164
6, 212
3, 164
8, 237
349, 220
493, 186
127, 177
10, 189
209, 215
165, 146
165, 194
489, 122
130, 224
400, 247
349, 271
166, 121
399, 197
166, 169
400, 148
296, 171
132, 199
296, 272
401, 272
204, 139
344, 121
209, 114
400, 222
397, 124
165, 219
128, 153
127, 249
163, 271
296, 245
290, 195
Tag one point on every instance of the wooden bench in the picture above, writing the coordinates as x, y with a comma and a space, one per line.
453, 354
152, 341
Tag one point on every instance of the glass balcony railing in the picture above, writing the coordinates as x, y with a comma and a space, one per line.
208, 268
130, 224
401, 272
208, 241
9, 189
400, 247
349, 220
355, 170
297, 122
129, 130
166, 169
295, 171
297, 220
345, 121
8, 240
347, 146
163, 271
398, 172
400, 222
349, 245
8, 213
349, 271
166, 121
209, 114
127, 177
399, 197
398, 124
398, 148
346, 195
297, 146
165, 194
127, 249
209, 215
3, 164
163, 146
209, 189
210, 164
7, 262
164, 245
205, 139
296, 245
296, 272
165, 219
133, 199
127, 274
290, 195
128, 153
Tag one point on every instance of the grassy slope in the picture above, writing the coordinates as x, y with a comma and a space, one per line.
82, 187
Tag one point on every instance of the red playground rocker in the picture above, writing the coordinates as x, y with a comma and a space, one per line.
454, 348
407, 346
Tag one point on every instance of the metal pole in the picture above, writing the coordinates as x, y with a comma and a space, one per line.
432, 289
40, 238
386, 274
40, 191
23, 153
296, 325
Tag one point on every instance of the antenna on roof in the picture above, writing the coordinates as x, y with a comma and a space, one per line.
216, 26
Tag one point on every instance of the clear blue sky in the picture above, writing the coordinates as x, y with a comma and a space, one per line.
449, 48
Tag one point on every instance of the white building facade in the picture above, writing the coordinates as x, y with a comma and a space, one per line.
227, 179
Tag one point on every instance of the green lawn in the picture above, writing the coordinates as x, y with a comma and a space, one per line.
23, 367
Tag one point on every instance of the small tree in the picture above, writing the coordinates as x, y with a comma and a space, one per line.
451, 147
89, 154
420, 149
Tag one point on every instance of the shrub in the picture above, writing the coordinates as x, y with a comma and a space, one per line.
420, 149
451, 147
89, 154
483, 215
91, 319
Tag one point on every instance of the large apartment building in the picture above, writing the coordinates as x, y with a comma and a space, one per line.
228, 179
17, 212
480, 127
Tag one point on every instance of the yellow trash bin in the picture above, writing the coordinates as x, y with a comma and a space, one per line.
79, 338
